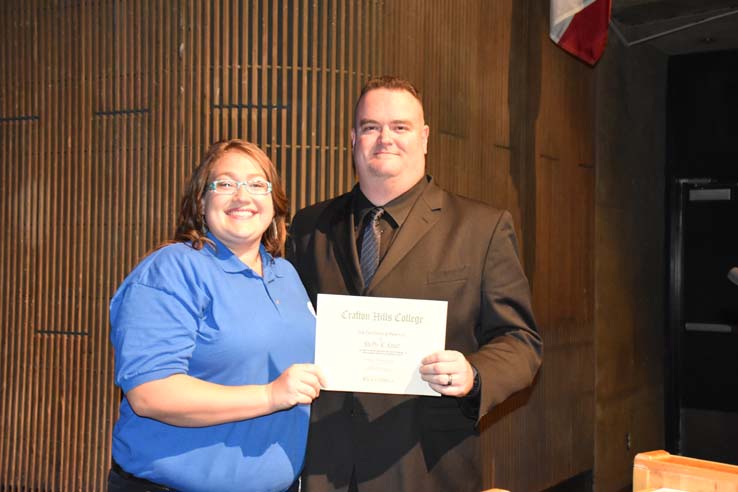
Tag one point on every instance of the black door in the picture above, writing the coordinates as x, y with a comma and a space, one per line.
702, 377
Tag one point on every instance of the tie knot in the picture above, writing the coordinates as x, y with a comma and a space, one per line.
375, 214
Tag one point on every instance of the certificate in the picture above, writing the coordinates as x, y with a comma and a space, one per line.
375, 344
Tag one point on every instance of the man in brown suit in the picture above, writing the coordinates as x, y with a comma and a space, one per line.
430, 244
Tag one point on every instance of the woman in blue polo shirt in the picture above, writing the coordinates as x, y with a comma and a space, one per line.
214, 339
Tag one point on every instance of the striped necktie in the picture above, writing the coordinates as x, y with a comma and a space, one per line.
370, 245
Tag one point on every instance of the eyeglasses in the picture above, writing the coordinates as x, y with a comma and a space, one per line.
255, 186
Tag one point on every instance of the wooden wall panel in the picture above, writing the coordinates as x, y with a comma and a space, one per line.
631, 264
105, 109
564, 293
512, 124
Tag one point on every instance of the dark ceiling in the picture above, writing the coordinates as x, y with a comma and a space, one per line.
677, 26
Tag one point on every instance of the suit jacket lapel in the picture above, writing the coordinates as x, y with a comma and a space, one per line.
425, 213
343, 238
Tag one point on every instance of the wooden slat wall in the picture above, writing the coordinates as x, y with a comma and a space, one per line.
630, 262
105, 108
512, 124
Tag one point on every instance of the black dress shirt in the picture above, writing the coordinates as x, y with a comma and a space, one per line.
395, 213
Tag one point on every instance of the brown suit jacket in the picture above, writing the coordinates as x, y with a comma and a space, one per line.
449, 248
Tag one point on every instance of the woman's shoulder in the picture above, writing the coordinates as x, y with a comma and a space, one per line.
176, 260
285, 269
177, 254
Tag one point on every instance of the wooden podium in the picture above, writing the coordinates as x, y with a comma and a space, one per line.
659, 471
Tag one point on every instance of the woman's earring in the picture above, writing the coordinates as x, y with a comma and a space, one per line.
204, 225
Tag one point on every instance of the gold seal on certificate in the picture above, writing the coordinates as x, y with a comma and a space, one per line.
375, 344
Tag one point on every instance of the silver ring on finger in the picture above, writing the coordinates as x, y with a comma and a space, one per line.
450, 380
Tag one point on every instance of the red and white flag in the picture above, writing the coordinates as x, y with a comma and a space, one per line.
580, 27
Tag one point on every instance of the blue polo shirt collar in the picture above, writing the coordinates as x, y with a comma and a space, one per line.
232, 264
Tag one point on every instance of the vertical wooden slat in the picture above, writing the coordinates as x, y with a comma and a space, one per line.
282, 19
37, 216
52, 380
353, 78
104, 161
273, 69
64, 343
241, 70
81, 445
249, 35
293, 182
317, 80
215, 70
5, 37
178, 174
169, 110
203, 88
158, 116
262, 102
6, 34
314, 191
17, 148
20, 176
179, 170
136, 122
91, 448
42, 272
77, 403
90, 239
230, 62
107, 160
339, 94
221, 87
186, 50
303, 163
330, 117
189, 59
60, 385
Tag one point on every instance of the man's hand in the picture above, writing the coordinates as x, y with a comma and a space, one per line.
448, 372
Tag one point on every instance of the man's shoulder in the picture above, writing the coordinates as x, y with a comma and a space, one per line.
308, 217
471, 208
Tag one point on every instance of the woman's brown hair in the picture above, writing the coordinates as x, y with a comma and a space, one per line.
191, 221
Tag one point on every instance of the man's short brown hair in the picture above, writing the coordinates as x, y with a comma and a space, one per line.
389, 82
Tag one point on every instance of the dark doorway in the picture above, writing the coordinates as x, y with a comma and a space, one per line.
702, 340
704, 336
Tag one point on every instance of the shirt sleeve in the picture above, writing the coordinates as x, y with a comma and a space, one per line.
153, 334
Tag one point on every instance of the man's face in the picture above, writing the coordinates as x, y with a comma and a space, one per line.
390, 138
